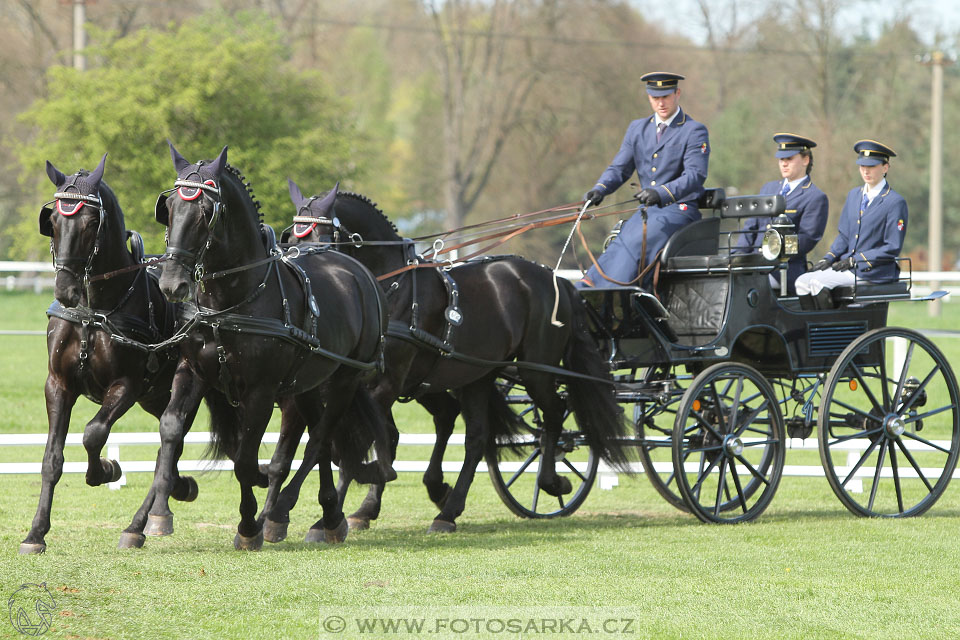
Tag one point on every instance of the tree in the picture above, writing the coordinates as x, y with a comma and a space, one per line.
217, 80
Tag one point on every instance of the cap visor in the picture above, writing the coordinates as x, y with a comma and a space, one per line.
869, 162
787, 153
659, 93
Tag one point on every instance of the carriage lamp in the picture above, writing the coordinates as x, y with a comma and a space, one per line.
779, 240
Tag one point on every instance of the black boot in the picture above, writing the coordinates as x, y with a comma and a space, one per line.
824, 299
807, 303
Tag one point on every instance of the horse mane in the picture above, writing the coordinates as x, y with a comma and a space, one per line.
367, 201
245, 184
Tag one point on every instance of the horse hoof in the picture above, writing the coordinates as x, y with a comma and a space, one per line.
358, 524
442, 526
131, 540
315, 536
560, 487
243, 543
338, 535
186, 489
32, 548
115, 470
158, 525
274, 531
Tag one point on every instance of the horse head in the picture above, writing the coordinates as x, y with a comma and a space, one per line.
315, 220
78, 220
192, 213
354, 219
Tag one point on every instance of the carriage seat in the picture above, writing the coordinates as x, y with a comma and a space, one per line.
871, 292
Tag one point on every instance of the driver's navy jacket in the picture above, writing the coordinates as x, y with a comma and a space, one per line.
874, 236
676, 166
807, 208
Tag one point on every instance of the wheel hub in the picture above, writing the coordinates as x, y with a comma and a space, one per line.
894, 426
733, 445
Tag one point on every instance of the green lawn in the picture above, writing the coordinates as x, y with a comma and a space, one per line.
806, 568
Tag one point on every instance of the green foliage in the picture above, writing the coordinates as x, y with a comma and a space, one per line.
213, 81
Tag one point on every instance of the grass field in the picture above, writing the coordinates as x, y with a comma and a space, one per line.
806, 568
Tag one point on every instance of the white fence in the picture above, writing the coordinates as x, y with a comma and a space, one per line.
608, 478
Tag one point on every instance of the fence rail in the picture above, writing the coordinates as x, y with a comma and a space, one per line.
608, 478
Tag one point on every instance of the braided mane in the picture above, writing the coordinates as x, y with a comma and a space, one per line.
246, 185
364, 199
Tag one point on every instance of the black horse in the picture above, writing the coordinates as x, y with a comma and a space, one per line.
486, 312
108, 312
303, 329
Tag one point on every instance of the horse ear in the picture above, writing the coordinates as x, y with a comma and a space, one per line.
97, 174
295, 195
326, 204
221, 161
56, 176
179, 162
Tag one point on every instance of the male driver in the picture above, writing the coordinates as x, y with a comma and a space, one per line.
872, 225
806, 205
669, 153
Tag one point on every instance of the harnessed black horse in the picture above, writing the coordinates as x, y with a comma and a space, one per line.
457, 329
107, 316
259, 336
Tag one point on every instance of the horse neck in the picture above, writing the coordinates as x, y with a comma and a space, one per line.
359, 217
236, 242
112, 255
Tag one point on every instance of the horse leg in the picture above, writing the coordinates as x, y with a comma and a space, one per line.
444, 408
116, 401
257, 407
277, 517
541, 389
186, 392
370, 507
474, 405
332, 526
292, 426
60, 401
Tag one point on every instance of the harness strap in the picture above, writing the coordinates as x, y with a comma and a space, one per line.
422, 338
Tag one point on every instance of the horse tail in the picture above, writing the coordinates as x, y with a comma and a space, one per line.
593, 402
362, 425
224, 432
504, 423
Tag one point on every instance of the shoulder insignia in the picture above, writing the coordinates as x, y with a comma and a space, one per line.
703, 147
900, 224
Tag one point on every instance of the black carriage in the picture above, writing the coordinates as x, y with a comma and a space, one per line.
720, 371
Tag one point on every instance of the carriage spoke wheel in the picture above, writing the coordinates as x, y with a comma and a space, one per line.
889, 424
654, 423
514, 464
728, 444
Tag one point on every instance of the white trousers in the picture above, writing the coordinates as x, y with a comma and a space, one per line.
812, 282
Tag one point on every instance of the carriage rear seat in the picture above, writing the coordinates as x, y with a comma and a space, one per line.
872, 292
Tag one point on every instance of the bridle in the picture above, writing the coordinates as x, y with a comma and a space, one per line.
188, 191
70, 264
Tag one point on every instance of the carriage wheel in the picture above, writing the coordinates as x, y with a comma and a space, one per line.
728, 444
513, 465
654, 422
889, 424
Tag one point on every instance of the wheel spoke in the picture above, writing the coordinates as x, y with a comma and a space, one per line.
933, 412
735, 405
752, 470
866, 387
703, 474
876, 476
718, 404
721, 484
884, 381
853, 436
739, 487
523, 467
536, 494
903, 372
914, 436
856, 467
896, 474
570, 466
751, 418
913, 463
920, 389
